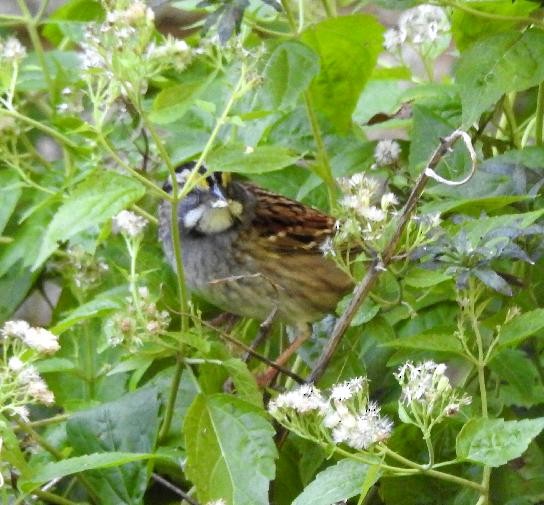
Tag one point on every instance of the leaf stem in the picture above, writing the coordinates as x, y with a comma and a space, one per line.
508, 108
489, 15
31, 24
39, 126
539, 115
433, 473
174, 386
52, 498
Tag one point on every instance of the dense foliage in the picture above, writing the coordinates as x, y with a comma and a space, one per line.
434, 393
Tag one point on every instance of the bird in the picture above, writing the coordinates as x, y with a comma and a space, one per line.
254, 253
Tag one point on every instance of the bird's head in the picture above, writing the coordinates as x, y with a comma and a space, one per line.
212, 206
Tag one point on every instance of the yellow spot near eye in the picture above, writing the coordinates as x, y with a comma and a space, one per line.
226, 177
202, 183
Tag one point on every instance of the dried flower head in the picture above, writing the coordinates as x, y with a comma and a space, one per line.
128, 223
387, 152
11, 50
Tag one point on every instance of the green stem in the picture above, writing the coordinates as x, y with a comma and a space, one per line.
39, 126
489, 15
322, 156
508, 109
539, 115
31, 24
52, 498
484, 494
330, 8
430, 449
48, 421
169, 412
434, 473
146, 182
38, 438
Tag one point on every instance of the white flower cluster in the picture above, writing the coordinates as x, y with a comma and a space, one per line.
39, 339
418, 26
426, 387
11, 50
386, 153
346, 416
128, 223
20, 380
127, 37
360, 193
137, 323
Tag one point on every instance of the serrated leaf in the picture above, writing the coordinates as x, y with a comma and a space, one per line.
348, 48
44, 473
493, 280
173, 102
10, 191
129, 424
244, 382
522, 327
102, 195
338, 482
497, 65
421, 278
287, 73
262, 159
429, 341
494, 442
467, 27
230, 450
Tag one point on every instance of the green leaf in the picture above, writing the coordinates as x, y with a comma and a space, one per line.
244, 382
337, 483
230, 450
10, 191
499, 64
494, 442
129, 424
429, 341
467, 28
287, 73
102, 195
105, 303
524, 386
522, 327
233, 158
348, 48
421, 278
49, 471
68, 19
172, 103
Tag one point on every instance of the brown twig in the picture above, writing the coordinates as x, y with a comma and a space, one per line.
255, 354
176, 490
380, 264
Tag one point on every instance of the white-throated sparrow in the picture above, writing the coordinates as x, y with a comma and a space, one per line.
252, 252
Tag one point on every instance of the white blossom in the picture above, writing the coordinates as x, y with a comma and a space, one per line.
372, 213
12, 50
304, 399
423, 24
15, 364
39, 391
41, 340
346, 390
16, 329
386, 152
20, 411
393, 39
129, 223
217, 502
364, 429
388, 200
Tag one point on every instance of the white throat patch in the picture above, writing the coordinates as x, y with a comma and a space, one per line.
210, 220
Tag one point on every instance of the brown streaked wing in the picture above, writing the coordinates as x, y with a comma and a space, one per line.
286, 225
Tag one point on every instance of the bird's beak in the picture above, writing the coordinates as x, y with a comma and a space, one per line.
221, 200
